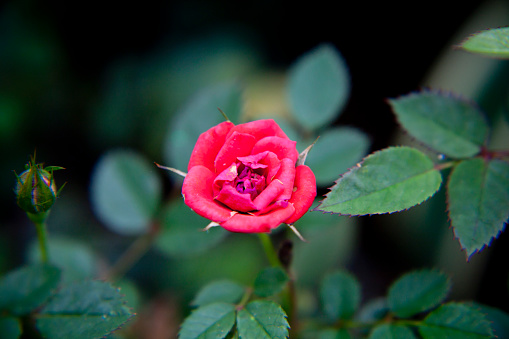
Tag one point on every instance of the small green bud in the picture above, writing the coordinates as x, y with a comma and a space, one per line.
36, 190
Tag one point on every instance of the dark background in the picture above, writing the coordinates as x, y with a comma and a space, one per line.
388, 48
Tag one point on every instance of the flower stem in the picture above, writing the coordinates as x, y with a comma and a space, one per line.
269, 250
43, 241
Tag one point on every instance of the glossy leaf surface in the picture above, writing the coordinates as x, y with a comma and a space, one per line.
210, 321
262, 319
491, 42
82, 310
448, 125
478, 199
389, 331
456, 321
390, 180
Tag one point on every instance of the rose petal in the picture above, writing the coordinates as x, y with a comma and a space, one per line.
260, 129
286, 175
236, 201
273, 164
198, 195
208, 145
236, 145
246, 223
269, 194
304, 194
283, 148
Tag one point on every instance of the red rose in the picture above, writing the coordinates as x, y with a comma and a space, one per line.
244, 177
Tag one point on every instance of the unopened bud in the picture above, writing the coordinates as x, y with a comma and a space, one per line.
36, 190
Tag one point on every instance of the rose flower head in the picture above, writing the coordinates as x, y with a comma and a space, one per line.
244, 177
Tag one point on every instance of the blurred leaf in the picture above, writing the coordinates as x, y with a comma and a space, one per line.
129, 292
374, 310
83, 310
197, 116
340, 293
389, 180
210, 321
182, 231
447, 124
455, 321
75, 258
225, 291
417, 292
270, 281
334, 334
492, 42
331, 240
478, 199
262, 319
390, 331
318, 87
499, 319
26, 288
125, 192
10, 327
335, 152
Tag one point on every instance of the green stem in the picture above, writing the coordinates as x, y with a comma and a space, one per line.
269, 250
43, 241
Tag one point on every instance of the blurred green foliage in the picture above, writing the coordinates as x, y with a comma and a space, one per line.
55, 98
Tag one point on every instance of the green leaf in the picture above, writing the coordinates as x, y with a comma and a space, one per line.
491, 42
318, 87
182, 231
219, 291
270, 281
455, 321
126, 192
26, 288
390, 331
374, 310
499, 319
210, 321
340, 294
334, 334
82, 310
10, 328
478, 200
75, 258
200, 114
417, 292
449, 125
335, 152
262, 319
389, 180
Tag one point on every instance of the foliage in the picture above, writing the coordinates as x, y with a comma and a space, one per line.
145, 244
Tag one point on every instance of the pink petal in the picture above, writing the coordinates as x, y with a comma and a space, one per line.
235, 200
236, 145
208, 146
304, 194
269, 194
286, 175
282, 147
198, 195
246, 223
260, 129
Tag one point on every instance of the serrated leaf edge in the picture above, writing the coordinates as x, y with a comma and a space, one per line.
359, 164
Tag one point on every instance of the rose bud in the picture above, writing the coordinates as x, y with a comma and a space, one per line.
244, 177
36, 190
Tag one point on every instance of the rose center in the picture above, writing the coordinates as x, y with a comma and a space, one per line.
249, 181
